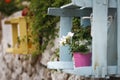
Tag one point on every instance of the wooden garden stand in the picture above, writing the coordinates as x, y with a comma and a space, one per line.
105, 31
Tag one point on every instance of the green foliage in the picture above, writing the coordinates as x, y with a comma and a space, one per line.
9, 8
82, 38
44, 26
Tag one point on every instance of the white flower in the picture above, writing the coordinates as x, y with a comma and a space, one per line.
70, 34
62, 41
65, 39
83, 42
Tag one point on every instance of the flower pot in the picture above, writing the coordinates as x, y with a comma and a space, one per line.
81, 60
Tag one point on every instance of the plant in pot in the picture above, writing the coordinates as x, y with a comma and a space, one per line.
80, 46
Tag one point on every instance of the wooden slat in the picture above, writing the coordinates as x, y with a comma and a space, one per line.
69, 12
87, 71
14, 21
112, 38
60, 65
7, 22
23, 34
70, 6
118, 34
83, 3
99, 33
82, 71
89, 3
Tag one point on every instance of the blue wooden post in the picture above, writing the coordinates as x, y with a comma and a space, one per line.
118, 34
65, 27
99, 43
112, 38
85, 21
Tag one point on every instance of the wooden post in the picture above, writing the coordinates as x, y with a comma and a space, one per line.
65, 27
23, 34
99, 43
118, 34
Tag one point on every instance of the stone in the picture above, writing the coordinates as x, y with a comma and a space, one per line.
14, 76
36, 77
72, 77
25, 76
59, 76
18, 71
45, 57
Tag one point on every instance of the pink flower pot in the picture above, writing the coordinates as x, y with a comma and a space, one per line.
81, 60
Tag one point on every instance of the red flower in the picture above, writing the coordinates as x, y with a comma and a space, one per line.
7, 1
25, 11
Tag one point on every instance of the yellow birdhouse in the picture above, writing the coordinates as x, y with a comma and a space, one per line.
22, 42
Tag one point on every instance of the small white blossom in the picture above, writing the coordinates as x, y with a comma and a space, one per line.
61, 43
83, 42
70, 34
64, 39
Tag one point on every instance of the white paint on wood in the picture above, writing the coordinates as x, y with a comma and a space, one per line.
88, 71
65, 27
69, 12
99, 30
60, 65
118, 34
89, 3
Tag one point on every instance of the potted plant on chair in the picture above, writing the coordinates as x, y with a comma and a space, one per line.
80, 46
